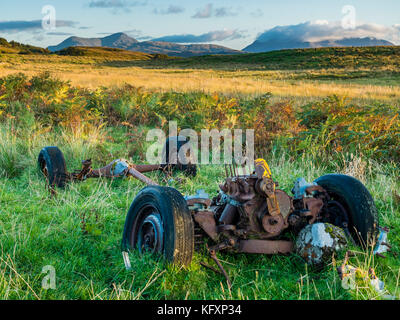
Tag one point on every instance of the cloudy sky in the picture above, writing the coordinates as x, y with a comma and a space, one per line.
232, 23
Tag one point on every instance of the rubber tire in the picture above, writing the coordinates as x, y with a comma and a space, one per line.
56, 166
188, 169
358, 202
177, 222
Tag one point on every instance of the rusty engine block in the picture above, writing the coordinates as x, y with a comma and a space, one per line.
250, 214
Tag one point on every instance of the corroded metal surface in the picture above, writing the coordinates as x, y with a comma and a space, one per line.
265, 246
206, 221
250, 214
115, 169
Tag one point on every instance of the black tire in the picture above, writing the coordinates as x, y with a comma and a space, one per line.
169, 207
52, 165
175, 144
357, 202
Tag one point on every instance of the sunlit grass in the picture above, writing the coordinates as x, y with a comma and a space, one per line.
37, 229
306, 85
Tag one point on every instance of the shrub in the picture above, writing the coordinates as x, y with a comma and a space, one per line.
324, 128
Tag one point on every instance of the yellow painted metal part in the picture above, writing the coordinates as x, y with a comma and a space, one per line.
264, 172
267, 171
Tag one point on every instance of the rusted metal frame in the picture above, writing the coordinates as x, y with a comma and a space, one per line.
134, 171
143, 168
265, 246
136, 174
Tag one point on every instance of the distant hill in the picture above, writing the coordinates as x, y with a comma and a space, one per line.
277, 44
346, 58
383, 57
16, 47
123, 41
111, 54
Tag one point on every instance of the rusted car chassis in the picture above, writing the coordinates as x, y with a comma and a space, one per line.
53, 166
248, 214
116, 169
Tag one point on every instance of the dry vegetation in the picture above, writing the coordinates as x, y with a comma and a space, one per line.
119, 67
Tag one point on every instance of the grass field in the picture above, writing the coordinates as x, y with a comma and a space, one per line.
302, 129
364, 74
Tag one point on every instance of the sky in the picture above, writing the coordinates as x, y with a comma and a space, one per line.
232, 23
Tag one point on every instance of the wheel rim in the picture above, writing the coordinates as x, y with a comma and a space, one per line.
150, 236
336, 214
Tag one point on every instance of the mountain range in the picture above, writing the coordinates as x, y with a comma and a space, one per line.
123, 41
271, 45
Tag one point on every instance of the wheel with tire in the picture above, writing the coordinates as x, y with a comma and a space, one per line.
350, 205
177, 155
52, 165
160, 222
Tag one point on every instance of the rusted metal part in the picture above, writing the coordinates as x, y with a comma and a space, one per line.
262, 169
115, 169
285, 203
229, 214
265, 246
213, 256
193, 201
240, 188
312, 208
311, 190
226, 227
143, 168
254, 205
250, 212
136, 174
267, 187
274, 224
210, 267
86, 169
206, 221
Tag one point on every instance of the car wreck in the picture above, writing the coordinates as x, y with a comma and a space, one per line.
249, 213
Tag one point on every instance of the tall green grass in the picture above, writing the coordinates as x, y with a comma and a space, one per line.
78, 231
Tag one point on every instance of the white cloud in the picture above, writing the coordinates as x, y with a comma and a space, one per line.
218, 35
172, 9
324, 30
209, 11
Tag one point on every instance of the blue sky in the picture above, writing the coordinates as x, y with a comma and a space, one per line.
231, 23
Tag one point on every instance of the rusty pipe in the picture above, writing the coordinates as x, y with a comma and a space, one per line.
136, 174
147, 167
265, 246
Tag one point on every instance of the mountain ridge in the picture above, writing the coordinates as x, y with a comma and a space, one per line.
272, 45
123, 41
